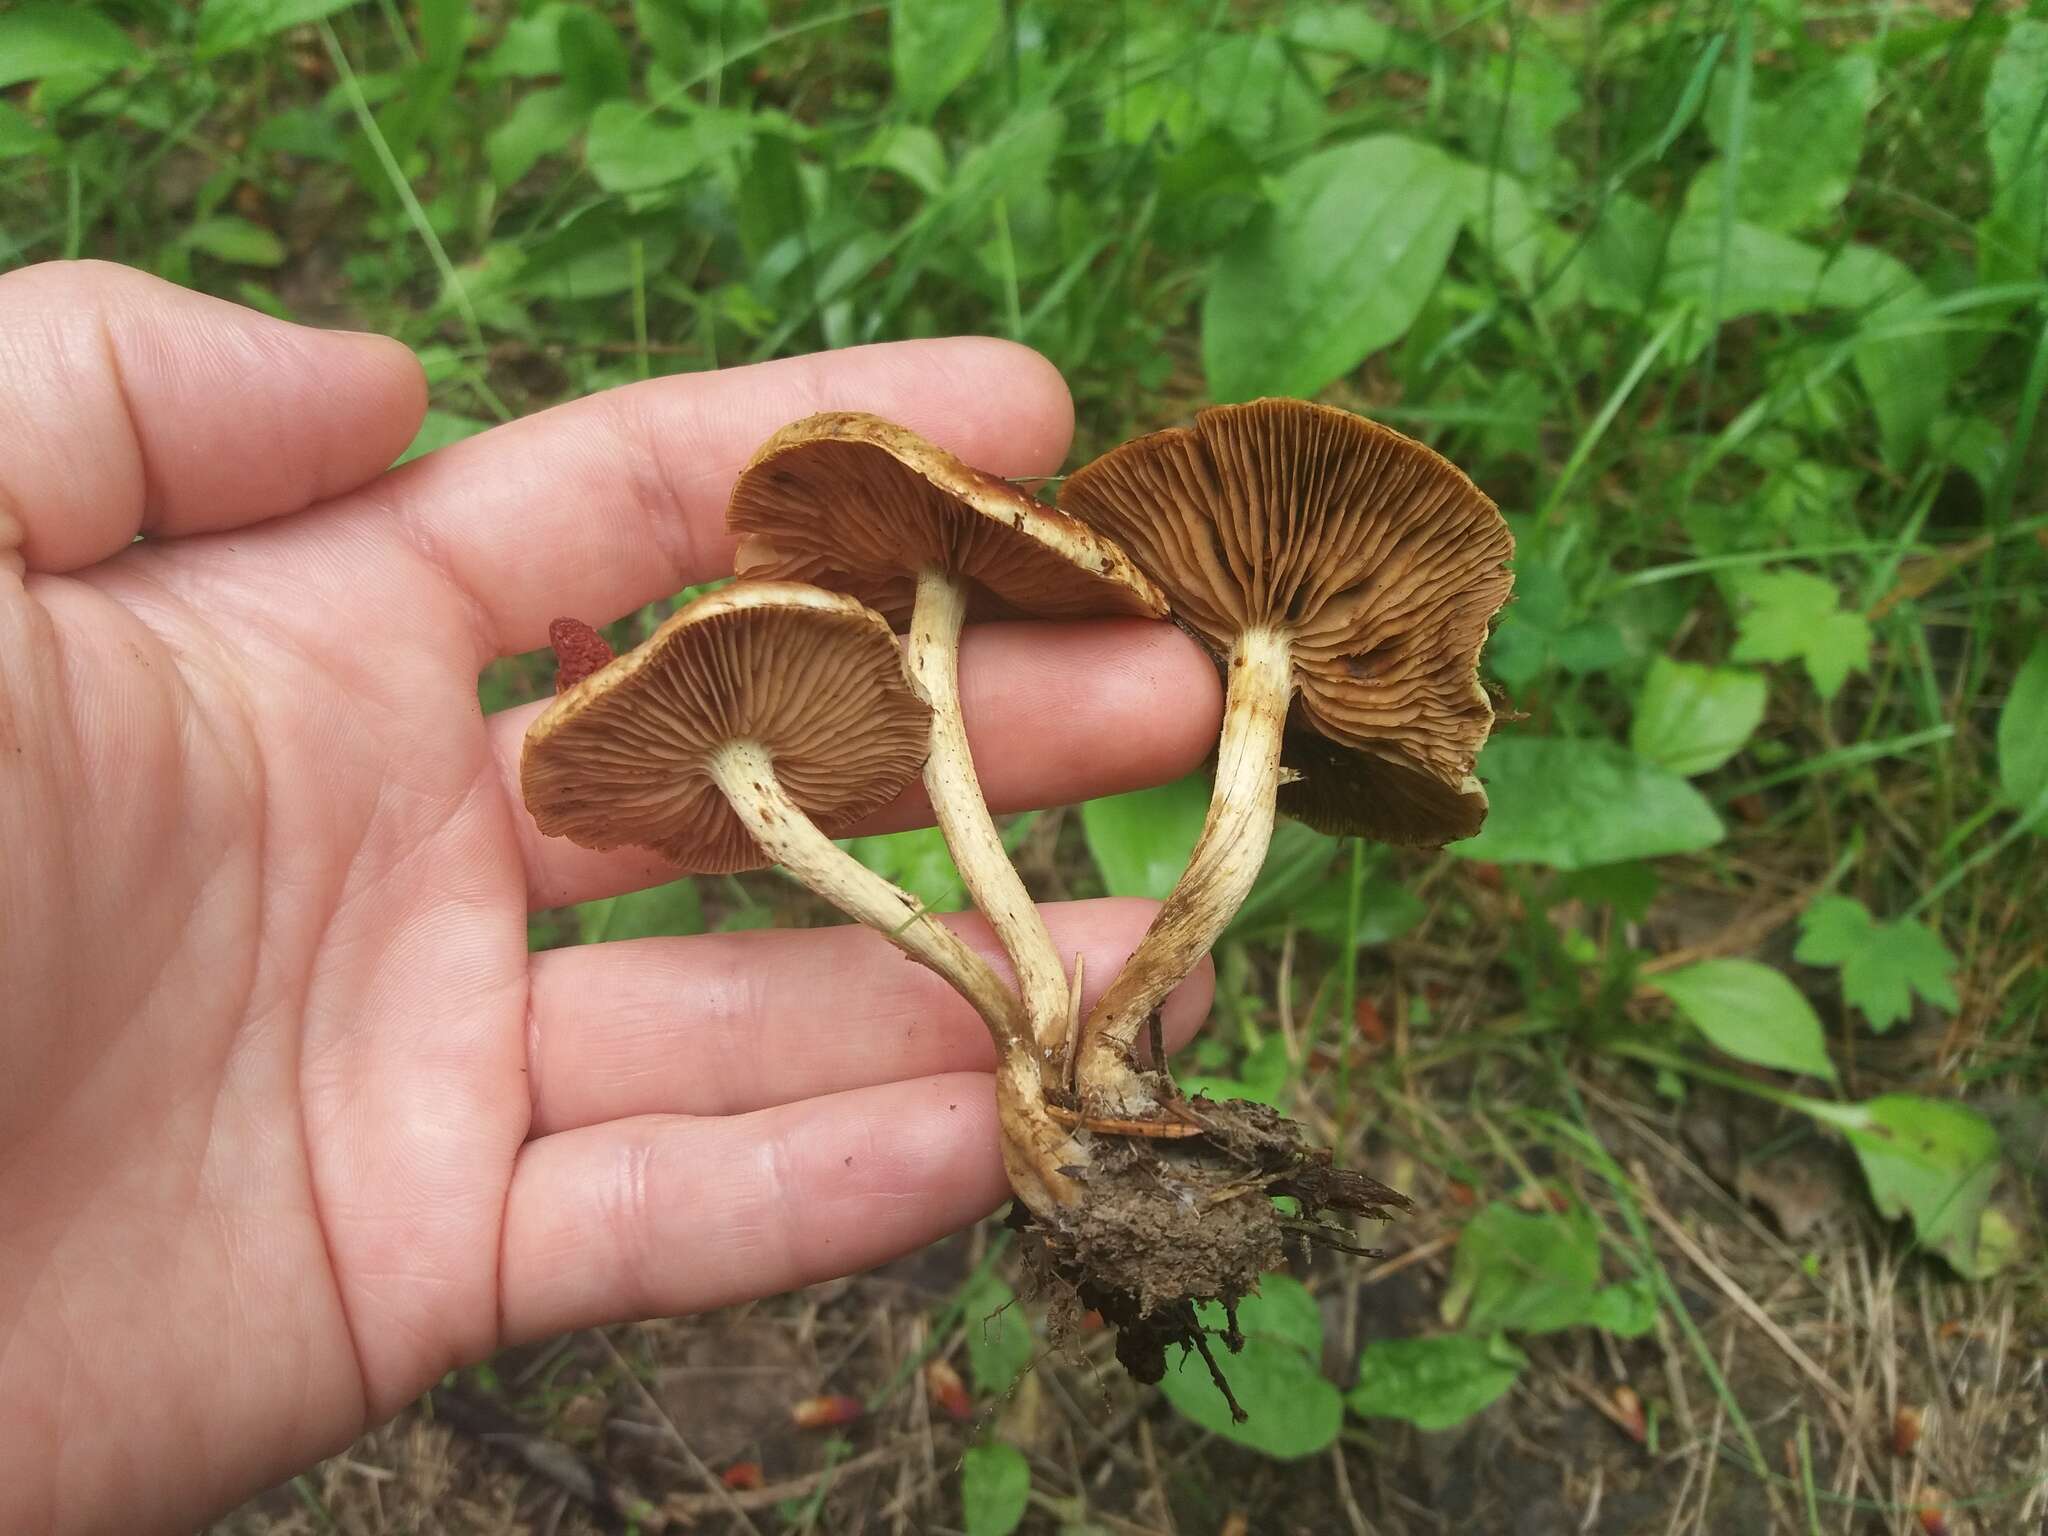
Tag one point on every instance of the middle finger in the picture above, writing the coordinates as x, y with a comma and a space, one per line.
726, 1024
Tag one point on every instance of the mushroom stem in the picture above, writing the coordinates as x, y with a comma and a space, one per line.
1225, 862
963, 815
1034, 1146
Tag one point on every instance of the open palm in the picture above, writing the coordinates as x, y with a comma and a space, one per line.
290, 1121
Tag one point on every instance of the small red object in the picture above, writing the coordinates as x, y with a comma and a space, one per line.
826, 1412
1371, 1027
1628, 1408
579, 651
1905, 1431
742, 1475
948, 1391
1933, 1518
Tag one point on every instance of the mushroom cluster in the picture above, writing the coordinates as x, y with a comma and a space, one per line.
1343, 575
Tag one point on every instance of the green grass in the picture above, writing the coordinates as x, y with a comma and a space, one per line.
1738, 310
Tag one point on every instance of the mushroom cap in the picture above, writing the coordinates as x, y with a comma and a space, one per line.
620, 759
1377, 556
860, 505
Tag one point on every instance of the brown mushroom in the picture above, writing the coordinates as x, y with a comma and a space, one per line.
756, 724
1348, 574
857, 504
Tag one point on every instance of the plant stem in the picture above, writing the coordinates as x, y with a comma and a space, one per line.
1034, 1146
963, 815
1225, 862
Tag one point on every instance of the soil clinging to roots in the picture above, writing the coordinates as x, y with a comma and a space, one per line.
1167, 1222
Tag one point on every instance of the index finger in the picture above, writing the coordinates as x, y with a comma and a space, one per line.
593, 508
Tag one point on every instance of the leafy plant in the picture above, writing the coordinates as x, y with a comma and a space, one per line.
995, 1489
1434, 1382
1882, 964
1794, 615
1752, 1012
1291, 1409
1692, 719
1537, 1272
1573, 803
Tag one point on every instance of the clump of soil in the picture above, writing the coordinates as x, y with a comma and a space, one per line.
1167, 1222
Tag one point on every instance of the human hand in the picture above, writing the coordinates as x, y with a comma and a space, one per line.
292, 1123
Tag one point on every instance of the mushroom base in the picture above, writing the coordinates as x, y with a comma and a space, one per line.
1164, 1224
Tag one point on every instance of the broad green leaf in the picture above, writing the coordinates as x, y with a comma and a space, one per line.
544, 123
1262, 1078
1751, 1012
308, 133
1511, 109
1336, 268
1281, 1309
1297, 862
1247, 84
530, 47
1692, 719
1020, 154
1291, 1409
1625, 256
1882, 964
1504, 221
1386, 910
1932, 1161
919, 861
1536, 1272
1799, 149
1904, 364
912, 152
630, 149
2016, 104
235, 239
20, 136
1545, 627
660, 911
594, 256
1626, 1311
41, 41
995, 1489
1628, 887
2010, 238
225, 25
668, 31
999, 1342
1573, 803
934, 45
2023, 736
1141, 841
1766, 272
595, 64
1795, 614
438, 429
1346, 30
1433, 1383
